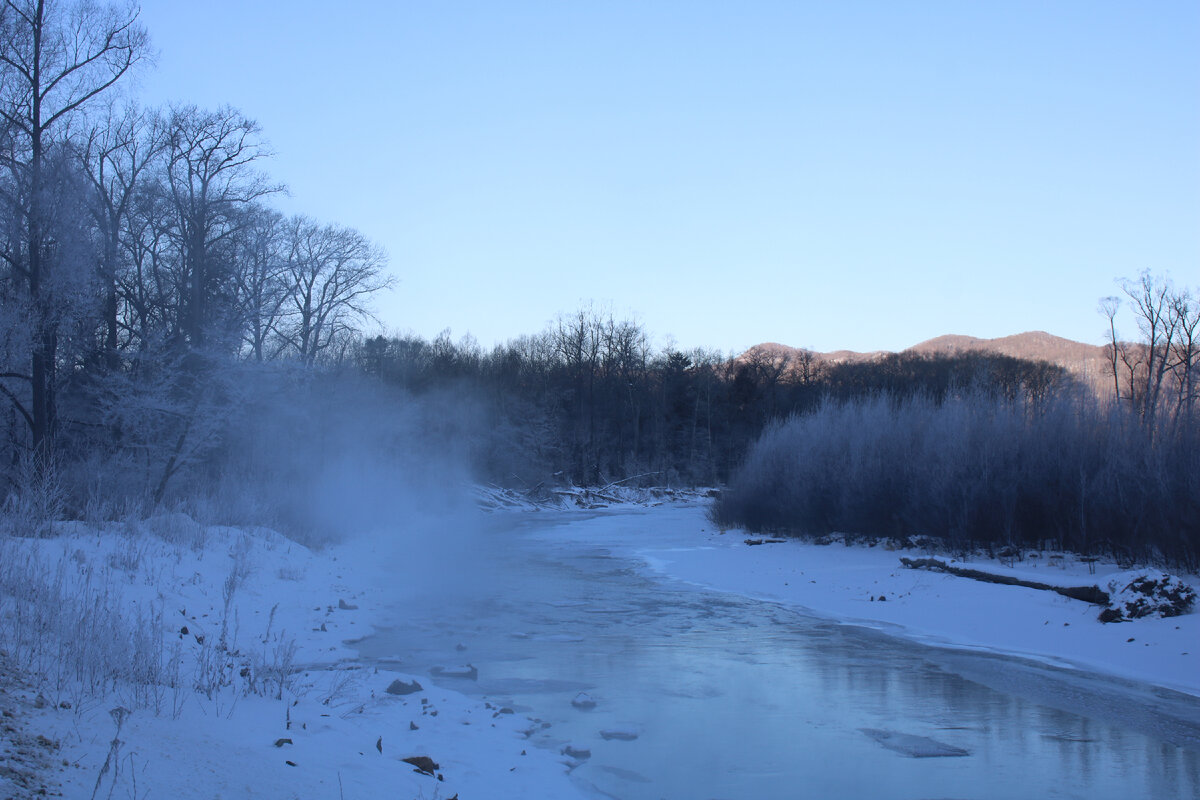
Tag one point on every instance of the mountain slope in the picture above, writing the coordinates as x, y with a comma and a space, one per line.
1084, 360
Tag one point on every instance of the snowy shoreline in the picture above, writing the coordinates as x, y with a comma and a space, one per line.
284, 710
844, 583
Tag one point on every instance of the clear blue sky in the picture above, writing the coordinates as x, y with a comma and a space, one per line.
858, 175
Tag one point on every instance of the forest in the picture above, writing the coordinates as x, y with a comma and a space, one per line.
168, 338
589, 401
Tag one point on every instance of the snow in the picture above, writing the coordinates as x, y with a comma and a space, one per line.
334, 731
288, 710
846, 583
584, 701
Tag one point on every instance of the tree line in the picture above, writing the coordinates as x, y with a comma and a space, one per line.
589, 400
1115, 474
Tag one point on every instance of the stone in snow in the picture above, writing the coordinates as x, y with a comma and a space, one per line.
584, 701
401, 688
423, 764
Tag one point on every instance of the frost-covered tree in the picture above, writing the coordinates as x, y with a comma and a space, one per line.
56, 59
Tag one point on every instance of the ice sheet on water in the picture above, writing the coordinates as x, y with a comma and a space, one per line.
914, 746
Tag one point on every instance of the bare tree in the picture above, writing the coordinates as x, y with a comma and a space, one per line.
55, 59
182, 244
772, 367
333, 273
1151, 302
263, 280
1109, 306
577, 343
211, 177
120, 149
806, 368
150, 283
1185, 356
1159, 371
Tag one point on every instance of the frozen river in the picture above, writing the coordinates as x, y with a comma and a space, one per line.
736, 698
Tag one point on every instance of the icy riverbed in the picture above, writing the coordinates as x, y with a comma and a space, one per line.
846, 582
741, 693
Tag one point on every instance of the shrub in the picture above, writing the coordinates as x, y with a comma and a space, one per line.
976, 469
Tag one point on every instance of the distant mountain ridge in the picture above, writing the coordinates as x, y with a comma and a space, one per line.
1085, 360
1034, 345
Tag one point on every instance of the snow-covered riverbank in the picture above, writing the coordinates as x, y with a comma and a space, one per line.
868, 586
281, 709
232, 650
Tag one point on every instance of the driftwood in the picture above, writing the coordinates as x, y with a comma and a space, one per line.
1088, 594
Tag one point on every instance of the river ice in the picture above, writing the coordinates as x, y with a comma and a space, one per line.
737, 694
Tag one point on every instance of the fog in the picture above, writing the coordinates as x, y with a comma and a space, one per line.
332, 458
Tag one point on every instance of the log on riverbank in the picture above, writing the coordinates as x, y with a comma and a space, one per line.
1088, 594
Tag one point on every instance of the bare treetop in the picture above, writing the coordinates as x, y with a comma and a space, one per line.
59, 56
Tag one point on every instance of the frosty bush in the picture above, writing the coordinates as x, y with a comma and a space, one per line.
65, 623
37, 499
975, 469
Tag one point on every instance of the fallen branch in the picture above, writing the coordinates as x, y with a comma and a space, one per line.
608, 486
1088, 594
